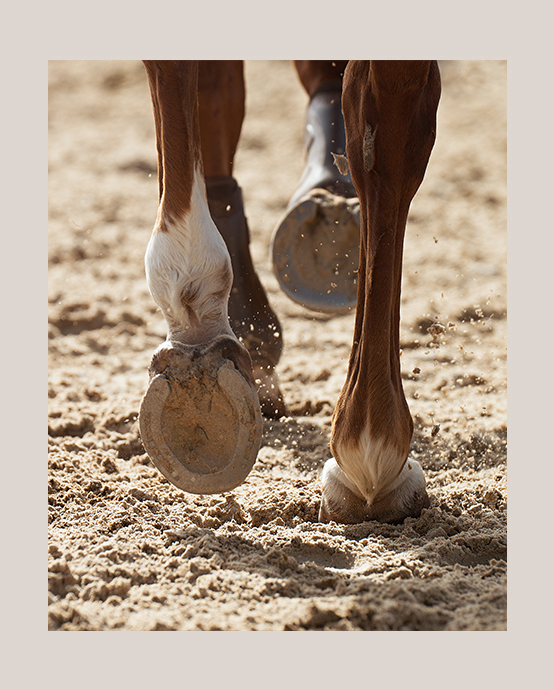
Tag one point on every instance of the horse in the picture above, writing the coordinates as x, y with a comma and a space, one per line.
370, 129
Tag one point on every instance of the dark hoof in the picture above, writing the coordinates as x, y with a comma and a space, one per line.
315, 252
200, 419
250, 315
315, 247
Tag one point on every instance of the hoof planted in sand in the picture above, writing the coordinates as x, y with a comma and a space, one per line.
200, 420
315, 252
342, 502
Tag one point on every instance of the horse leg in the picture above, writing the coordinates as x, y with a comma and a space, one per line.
200, 420
390, 114
315, 245
221, 97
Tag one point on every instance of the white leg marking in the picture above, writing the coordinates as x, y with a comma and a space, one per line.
393, 502
371, 464
189, 274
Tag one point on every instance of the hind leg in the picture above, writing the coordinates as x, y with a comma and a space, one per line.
315, 245
221, 96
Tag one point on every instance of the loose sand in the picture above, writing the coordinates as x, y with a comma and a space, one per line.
127, 550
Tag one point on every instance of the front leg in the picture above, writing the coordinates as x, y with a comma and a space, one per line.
200, 419
390, 115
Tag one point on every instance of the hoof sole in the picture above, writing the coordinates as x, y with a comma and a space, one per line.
315, 252
200, 421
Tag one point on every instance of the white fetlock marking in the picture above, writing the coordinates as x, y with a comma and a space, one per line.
371, 464
190, 260
410, 480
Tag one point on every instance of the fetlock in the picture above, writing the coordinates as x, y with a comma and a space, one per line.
251, 317
315, 246
324, 136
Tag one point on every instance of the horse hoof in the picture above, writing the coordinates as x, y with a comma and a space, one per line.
200, 419
342, 502
315, 252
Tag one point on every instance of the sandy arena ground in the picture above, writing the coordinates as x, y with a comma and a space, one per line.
129, 551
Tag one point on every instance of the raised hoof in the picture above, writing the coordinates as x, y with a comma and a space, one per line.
342, 502
315, 252
200, 419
